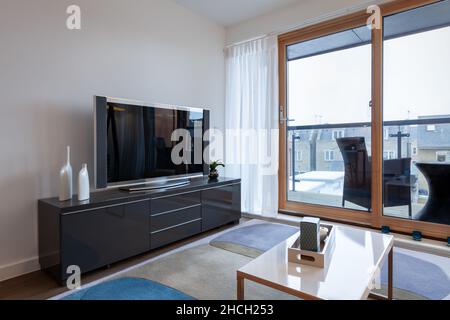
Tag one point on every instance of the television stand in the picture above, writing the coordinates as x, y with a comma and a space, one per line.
115, 225
155, 186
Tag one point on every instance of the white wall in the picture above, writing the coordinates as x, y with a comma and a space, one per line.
151, 50
292, 16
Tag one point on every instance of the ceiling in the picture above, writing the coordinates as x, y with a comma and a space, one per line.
229, 12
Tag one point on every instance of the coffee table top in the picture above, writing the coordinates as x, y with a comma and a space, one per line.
356, 260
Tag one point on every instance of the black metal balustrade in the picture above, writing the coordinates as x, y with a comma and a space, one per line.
403, 140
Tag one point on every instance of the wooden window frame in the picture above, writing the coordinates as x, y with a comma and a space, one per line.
374, 219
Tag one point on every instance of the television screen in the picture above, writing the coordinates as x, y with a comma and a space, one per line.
138, 141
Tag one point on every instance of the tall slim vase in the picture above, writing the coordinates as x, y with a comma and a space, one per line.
65, 179
83, 184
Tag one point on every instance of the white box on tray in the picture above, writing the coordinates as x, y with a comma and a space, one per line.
317, 259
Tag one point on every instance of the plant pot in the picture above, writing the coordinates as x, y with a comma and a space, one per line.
213, 175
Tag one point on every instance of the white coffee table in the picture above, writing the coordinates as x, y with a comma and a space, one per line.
356, 262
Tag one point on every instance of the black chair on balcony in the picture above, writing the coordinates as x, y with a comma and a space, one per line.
398, 182
358, 176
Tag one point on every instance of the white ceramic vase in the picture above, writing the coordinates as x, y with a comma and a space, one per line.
65, 179
83, 184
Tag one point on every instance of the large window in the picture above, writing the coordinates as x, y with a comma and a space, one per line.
326, 76
417, 112
369, 113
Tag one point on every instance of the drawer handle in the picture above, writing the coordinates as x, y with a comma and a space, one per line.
176, 226
175, 210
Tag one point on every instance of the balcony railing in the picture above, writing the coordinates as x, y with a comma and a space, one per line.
316, 166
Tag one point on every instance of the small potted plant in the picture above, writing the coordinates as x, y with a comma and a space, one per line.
213, 173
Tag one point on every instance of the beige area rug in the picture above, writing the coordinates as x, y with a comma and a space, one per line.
204, 272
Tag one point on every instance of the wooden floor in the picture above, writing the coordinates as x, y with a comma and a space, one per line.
39, 285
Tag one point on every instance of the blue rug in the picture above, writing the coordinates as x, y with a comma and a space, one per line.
254, 240
128, 289
418, 276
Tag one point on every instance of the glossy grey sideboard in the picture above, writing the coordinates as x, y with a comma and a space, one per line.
115, 225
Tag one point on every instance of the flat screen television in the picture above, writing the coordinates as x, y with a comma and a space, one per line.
133, 142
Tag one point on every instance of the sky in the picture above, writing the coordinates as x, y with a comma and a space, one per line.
336, 87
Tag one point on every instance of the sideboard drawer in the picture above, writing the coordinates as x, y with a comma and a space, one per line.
173, 218
175, 202
161, 238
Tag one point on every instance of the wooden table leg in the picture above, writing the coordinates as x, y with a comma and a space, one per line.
240, 287
390, 274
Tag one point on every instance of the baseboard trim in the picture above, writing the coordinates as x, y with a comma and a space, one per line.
20, 268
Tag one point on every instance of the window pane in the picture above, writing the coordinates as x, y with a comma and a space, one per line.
417, 115
329, 93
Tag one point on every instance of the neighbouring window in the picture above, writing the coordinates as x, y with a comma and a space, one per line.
299, 155
443, 156
329, 155
338, 134
387, 155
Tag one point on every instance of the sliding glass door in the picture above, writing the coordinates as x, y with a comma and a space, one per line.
329, 126
365, 119
417, 114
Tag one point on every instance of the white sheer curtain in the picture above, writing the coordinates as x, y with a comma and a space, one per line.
251, 119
